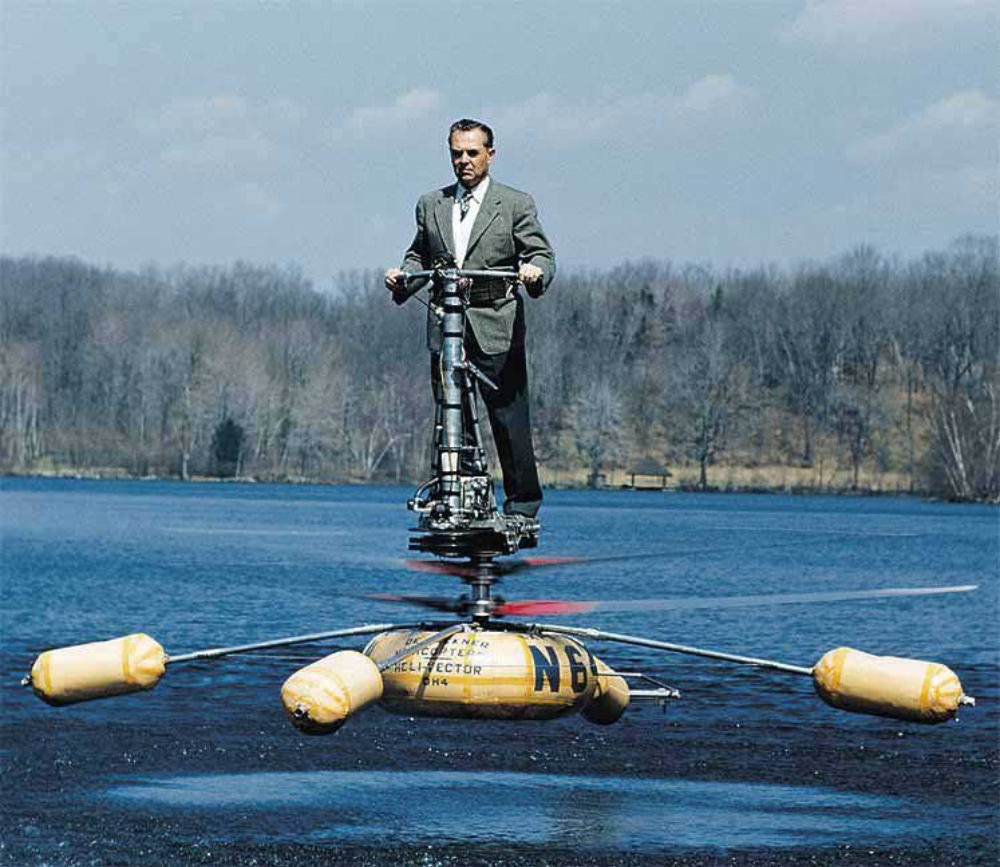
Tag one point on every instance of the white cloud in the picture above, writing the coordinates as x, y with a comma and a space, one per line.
254, 200
833, 21
567, 124
710, 93
969, 185
966, 189
221, 129
408, 107
199, 115
965, 109
953, 122
544, 115
221, 150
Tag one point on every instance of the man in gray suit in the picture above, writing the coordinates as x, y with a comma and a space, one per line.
480, 224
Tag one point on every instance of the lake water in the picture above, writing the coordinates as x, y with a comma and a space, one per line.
744, 762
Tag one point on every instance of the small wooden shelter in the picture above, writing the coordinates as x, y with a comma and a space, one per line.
648, 475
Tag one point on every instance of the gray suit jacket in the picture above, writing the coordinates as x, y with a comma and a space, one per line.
506, 233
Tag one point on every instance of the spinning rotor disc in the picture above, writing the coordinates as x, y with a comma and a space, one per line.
480, 573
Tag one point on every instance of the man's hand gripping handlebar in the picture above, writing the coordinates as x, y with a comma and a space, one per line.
396, 279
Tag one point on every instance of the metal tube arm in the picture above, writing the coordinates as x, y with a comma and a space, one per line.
597, 635
216, 652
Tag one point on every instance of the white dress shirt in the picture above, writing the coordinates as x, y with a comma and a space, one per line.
462, 229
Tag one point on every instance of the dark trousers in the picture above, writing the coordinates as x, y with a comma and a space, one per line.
509, 415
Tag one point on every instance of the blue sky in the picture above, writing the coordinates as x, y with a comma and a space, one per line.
731, 133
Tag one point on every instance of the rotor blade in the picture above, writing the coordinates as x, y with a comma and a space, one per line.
437, 603
536, 562
465, 570
440, 567
533, 607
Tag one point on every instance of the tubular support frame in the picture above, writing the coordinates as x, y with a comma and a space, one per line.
597, 635
216, 652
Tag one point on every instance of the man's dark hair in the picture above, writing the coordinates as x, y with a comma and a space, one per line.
466, 125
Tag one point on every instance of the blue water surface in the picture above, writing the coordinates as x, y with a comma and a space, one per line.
203, 565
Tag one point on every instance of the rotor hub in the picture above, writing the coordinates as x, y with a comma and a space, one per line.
480, 582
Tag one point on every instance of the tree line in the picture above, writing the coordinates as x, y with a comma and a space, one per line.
870, 366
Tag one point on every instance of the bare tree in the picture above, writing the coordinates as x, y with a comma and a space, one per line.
20, 403
960, 358
598, 426
706, 386
810, 341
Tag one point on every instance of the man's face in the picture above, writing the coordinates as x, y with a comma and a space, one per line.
470, 158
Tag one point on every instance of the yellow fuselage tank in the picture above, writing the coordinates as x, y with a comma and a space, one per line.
487, 674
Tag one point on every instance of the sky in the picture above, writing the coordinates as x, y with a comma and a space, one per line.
301, 133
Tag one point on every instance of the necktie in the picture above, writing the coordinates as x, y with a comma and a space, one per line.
465, 203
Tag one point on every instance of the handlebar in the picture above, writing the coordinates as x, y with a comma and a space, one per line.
401, 295
460, 272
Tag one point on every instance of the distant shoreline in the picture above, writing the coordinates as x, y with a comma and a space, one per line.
108, 475
858, 375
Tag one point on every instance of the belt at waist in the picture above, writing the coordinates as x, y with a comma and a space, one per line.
486, 290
